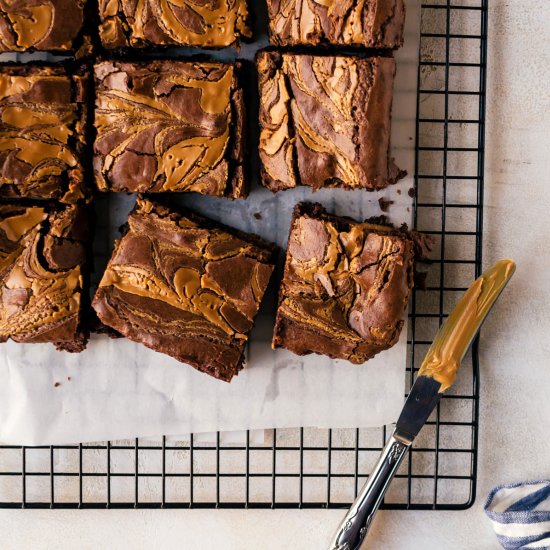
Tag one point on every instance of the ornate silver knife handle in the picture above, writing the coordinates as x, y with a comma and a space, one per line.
354, 527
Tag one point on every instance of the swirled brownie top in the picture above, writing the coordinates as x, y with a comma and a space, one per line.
186, 287
367, 23
345, 287
42, 134
45, 25
42, 254
326, 121
146, 23
169, 126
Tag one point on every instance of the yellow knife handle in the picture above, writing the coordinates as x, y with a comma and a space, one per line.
456, 334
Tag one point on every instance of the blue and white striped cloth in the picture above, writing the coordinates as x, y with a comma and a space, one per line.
520, 514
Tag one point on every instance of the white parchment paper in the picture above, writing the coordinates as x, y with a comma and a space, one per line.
117, 389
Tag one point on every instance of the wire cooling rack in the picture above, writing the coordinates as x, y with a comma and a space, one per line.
311, 468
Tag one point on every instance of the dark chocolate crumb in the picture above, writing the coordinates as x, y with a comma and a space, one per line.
257, 215
420, 280
423, 244
69, 378
411, 192
384, 204
378, 220
57, 384
398, 191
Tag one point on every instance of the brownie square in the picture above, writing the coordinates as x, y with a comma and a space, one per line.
168, 126
186, 287
371, 24
43, 114
205, 23
42, 25
325, 121
345, 287
43, 252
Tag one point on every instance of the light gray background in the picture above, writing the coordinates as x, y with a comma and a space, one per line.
515, 351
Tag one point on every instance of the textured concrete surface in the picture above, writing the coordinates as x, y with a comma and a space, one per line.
515, 409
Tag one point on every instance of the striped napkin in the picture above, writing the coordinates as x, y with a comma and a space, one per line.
520, 514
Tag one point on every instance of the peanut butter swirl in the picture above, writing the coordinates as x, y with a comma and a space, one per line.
325, 121
368, 23
42, 118
49, 25
169, 126
184, 287
41, 257
455, 336
143, 23
345, 288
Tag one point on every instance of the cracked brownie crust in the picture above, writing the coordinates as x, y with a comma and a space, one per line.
325, 121
42, 133
185, 287
169, 126
42, 254
367, 23
45, 25
206, 23
345, 287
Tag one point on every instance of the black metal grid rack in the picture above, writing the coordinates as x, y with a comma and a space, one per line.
308, 468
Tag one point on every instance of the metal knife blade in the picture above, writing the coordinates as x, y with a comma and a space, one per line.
422, 400
436, 375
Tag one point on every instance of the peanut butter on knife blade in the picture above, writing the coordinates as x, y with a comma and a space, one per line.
455, 336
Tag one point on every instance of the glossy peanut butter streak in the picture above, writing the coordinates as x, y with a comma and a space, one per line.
455, 336
325, 121
142, 23
345, 288
185, 288
368, 23
169, 126
41, 276
42, 118
51, 25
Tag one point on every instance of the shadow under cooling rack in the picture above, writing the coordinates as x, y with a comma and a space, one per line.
325, 468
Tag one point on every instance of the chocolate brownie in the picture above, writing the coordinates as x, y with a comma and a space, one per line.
43, 252
345, 287
371, 24
186, 287
43, 25
42, 132
169, 126
206, 23
325, 121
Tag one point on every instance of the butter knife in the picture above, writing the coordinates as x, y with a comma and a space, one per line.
437, 374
